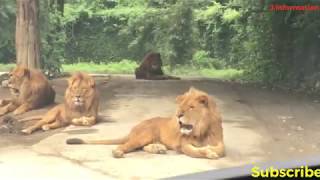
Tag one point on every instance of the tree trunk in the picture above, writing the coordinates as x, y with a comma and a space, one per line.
28, 34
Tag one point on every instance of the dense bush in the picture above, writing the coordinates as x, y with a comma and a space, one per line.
7, 29
201, 59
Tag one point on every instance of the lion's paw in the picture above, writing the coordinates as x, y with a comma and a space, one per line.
85, 122
45, 127
26, 131
76, 120
117, 153
155, 148
212, 155
18, 112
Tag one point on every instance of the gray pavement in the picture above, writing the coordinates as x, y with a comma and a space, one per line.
259, 125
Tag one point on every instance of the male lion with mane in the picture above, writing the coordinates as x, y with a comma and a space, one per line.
195, 130
29, 88
80, 106
151, 68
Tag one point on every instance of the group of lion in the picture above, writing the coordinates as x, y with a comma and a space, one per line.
195, 129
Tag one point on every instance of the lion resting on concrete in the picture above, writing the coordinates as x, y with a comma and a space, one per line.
80, 106
195, 130
151, 68
29, 88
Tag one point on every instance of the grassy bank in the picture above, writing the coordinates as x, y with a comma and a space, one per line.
128, 67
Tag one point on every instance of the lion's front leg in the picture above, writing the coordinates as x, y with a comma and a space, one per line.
137, 139
49, 121
84, 121
22, 109
7, 108
199, 152
56, 124
4, 102
218, 149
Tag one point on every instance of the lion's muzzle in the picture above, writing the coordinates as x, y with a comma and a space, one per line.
184, 127
14, 91
78, 101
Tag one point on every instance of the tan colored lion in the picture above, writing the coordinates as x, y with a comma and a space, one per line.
195, 130
29, 88
80, 106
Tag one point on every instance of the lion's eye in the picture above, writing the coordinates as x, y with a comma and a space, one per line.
191, 107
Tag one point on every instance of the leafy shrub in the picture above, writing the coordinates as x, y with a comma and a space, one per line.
201, 59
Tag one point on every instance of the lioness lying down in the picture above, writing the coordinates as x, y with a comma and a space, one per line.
29, 88
195, 130
80, 106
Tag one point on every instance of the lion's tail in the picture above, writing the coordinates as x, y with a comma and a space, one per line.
30, 118
105, 142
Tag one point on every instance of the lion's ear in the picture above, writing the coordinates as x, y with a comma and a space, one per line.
27, 73
192, 89
71, 80
179, 98
203, 99
91, 82
22, 72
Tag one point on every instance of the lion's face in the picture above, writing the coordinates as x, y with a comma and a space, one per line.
192, 111
16, 78
154, 61
156, 64
81, 89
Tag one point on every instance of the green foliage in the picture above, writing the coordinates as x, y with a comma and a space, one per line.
201, 59
7, 29
53, 38
192, 36
180, 33
230, 15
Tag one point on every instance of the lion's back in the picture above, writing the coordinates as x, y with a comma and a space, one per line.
41, 89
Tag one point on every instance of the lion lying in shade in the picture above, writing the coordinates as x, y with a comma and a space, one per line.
80, 106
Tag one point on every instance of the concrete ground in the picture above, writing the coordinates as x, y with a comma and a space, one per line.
259, 125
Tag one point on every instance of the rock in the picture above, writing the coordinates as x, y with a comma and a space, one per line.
5, 83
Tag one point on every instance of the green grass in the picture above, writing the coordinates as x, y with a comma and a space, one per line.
128, 67
226, 74
122, 67
6, 67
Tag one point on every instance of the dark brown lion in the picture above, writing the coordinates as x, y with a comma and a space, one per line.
29, 88
151, 68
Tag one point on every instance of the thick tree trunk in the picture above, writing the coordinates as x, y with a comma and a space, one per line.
27, 34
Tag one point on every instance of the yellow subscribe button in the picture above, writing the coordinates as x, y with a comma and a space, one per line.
271, 172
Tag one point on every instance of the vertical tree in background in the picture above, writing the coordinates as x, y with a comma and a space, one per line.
27, 34
180, 33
